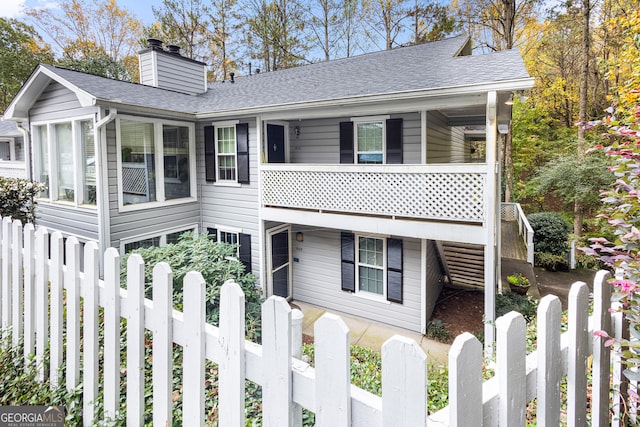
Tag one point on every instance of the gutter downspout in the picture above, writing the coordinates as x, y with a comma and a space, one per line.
26, 135
104, 223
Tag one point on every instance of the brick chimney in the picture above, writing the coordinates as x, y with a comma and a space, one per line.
168, 69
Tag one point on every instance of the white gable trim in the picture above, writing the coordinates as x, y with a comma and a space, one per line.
33, 88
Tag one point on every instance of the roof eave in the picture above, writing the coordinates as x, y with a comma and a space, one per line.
502, 86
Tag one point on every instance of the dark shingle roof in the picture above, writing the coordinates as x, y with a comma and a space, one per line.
422, 67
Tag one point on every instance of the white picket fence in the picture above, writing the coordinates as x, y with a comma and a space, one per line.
31, 279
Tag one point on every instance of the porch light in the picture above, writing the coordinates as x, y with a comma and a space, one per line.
299, 236
509, 100
296, 130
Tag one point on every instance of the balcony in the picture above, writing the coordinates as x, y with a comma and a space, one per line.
443, 192
12, 169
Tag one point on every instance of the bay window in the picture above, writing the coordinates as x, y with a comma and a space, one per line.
65, 161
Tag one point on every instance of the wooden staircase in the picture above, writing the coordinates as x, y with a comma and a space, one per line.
463, 263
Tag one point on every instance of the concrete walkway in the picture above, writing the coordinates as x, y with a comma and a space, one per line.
371, 334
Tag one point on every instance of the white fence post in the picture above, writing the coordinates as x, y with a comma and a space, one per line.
42, 299
510, 369
135, 340
231, 367
601, 354
17, 283
5, 278
56, 345
465, 382
72, 284
193, 359
296, 351
29, 291
276, 361
90, 328
111, 333
577, 360
404, 387
333, 378
162, 345
549, 361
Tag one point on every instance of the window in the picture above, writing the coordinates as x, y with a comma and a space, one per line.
156, 161
5, 150
370, 142
70, 172
371, 266
148, 241
226, 153
234, 236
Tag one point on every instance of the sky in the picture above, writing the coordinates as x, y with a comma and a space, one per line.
140, 8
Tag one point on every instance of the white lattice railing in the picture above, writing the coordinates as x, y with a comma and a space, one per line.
10, 169
441, 192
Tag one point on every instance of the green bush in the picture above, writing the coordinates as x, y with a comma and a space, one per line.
437, 330
17, 198
18, 385
551, 232
215, 261
512, 301
551, 262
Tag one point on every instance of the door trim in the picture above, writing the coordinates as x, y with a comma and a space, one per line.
270, 233
265, 145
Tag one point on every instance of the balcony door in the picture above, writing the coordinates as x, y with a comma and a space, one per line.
276, 143
279, 241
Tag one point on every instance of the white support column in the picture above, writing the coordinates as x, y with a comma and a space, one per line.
423, 136
423, 285
491, 203
261, 253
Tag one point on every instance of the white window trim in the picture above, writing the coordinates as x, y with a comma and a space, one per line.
159, 152
225, 124
12, 149
370, 119
230, 230
382, 298
162, 234
77, 154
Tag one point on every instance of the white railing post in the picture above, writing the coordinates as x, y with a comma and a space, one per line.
29, 291
162, 344
549, 361
579, 351
193, 359
135, 340
5, 278
404, 387
465, 382
90, 328
56, 344
511, 369
231, 368
601, 353
17, 283
111, 333
333, 377
42, 300
276, 361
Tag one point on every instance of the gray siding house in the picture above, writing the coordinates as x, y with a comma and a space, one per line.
338, 180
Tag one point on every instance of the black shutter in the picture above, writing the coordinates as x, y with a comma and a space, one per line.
209, 153
394, 141
245, 251
348, 253
394, 270
346, 142
242, 150
213, 234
